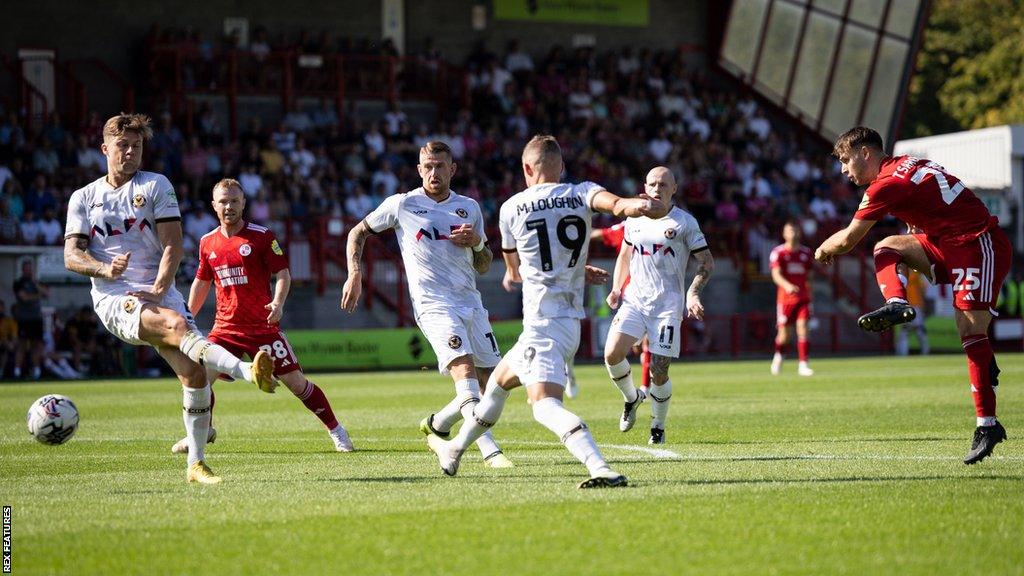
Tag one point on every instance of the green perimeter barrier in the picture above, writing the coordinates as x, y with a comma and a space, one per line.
378, 348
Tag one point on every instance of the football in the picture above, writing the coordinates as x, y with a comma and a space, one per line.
53, 419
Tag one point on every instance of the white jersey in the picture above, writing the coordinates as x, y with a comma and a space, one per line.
440, 273
660, 250
549, 225
124, 220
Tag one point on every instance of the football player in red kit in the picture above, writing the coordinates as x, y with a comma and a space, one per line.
955, 240
240, 258
791, 270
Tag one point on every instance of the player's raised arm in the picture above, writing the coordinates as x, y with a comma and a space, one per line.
843, 241
705, 266
608, 203
619, 275
282, 286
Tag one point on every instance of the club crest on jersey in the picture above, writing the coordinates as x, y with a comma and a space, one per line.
670, 233
245, 249
276, 248
130, 304
461, 213
455, 342
138, 200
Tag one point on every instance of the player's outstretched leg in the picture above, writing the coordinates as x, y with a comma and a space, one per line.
260, 371
315, 401
984, 376
573, 432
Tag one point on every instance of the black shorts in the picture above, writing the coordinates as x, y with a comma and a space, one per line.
31, 330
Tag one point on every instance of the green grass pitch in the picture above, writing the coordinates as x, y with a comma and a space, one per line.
854, 471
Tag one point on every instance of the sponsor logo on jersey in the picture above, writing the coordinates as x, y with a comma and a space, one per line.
432, 234
276, 248
455, 342
231, 276
96, 205
670, 233
245, 249
129, 304
864, 202
128, 223
420, 212
654, 250
213, 255
138, 200
461, 213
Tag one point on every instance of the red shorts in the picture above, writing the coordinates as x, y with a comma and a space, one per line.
274, 343
789, 312
976, 269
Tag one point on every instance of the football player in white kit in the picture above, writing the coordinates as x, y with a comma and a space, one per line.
441, 237
545, 232
124, 232
654, 255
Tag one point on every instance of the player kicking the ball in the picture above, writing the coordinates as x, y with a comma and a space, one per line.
441, 237
957, 241
124, 232
654, 255
545, 232
240, 257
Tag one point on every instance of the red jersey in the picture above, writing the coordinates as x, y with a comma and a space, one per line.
614, 235
922, 194
795, 266
240, 267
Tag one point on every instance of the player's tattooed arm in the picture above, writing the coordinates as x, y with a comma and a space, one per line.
482, 260
77, 259
353, 287
705, 266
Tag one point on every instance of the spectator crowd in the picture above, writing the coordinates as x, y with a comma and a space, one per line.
616, 114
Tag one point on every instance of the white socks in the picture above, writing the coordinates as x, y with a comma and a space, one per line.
661, 396
467, 391
196, 413
623, 380
986, 420
572, 432
484, 415
211, 355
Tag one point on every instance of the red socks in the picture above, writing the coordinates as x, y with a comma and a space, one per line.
780, 348
888, 279
313, 398
645, 358
981, 367
801, 348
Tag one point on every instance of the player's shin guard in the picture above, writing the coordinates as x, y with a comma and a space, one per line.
886, 261
485, 414
206, 353
572, 432
984, 375
196, 414
801, 349
623, 379
660, 396
313, 399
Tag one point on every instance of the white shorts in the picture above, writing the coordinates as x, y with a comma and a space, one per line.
662, 333
454, 333
121, 314
545, 350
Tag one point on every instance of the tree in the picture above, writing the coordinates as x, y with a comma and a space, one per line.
970, 70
